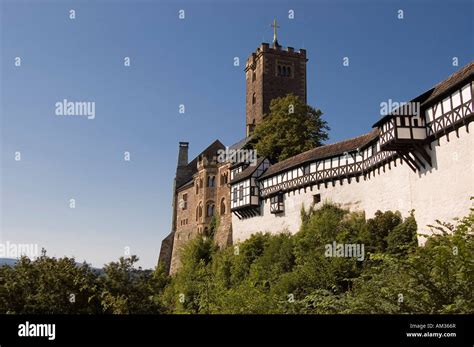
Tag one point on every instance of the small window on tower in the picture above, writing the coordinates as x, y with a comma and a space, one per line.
185, 201
254, 98
254, 76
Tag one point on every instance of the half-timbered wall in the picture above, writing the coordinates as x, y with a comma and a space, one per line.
451, 111
371, 180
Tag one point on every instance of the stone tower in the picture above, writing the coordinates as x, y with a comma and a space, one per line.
272, 72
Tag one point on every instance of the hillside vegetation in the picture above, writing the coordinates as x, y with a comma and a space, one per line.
270, 274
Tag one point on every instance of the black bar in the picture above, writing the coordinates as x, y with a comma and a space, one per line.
250, 329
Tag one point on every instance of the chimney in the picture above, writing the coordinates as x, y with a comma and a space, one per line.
183, 154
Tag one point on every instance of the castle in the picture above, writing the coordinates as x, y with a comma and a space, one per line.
419, 158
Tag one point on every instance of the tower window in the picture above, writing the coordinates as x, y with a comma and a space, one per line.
210, 181
284, 70
210, 209
254, 98
185, 201
254, 76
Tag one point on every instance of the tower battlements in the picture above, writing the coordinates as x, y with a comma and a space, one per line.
289, 52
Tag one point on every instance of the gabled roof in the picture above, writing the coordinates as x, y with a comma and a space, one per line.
325, 151
248, 171
184, 174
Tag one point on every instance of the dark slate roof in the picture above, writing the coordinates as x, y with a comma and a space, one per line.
248, 171
321, 152
241, 143
185, 174
441, 89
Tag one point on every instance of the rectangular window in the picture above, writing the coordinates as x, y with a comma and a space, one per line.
316, 198
185, 201
241, 192
276, 204
234, 198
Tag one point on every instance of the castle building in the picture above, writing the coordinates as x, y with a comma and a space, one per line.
420, 156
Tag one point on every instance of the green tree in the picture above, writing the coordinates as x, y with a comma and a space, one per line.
126, 289
290, 128
402, 239
48, 285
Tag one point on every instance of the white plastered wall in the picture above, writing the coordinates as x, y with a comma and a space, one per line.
439, 192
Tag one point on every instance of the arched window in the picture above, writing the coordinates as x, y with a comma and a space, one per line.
210, 209
254, 98
222, 206
199, 211
197, 187
211, 181
254, 76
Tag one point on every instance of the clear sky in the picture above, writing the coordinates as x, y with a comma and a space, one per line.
180, 61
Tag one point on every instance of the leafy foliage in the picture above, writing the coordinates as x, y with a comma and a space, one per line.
290, 128
265, 274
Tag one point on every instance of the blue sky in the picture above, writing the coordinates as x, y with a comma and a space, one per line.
128, 204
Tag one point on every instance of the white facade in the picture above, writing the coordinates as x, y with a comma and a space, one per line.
440, 191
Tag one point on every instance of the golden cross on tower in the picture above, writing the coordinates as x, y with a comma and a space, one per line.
275, 26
